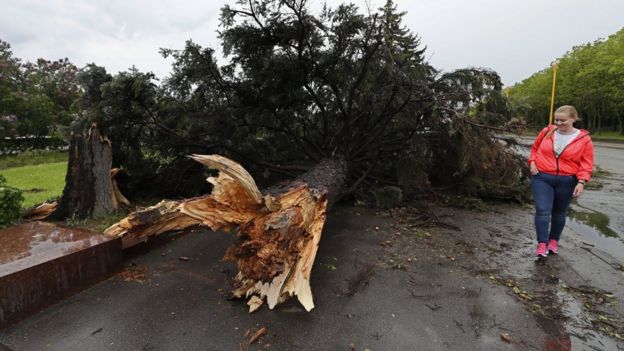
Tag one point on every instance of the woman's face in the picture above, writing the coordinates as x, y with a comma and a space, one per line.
563, 121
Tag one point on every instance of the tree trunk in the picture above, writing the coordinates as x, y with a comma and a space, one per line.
89, 189
278, 232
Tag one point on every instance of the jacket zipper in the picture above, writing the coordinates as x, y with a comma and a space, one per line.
555, 154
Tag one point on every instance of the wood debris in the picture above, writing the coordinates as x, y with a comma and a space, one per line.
257, 335
278, 232
134, 273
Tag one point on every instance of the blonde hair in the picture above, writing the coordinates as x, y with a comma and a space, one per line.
568, 110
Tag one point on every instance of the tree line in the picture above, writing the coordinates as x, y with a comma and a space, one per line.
590, 77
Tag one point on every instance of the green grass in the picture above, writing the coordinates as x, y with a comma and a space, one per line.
607, 135
34, 157
37, 182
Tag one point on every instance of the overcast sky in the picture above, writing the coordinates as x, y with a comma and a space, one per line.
514, 37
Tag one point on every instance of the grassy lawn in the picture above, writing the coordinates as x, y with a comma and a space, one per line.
38, 182
41, 176
35, 157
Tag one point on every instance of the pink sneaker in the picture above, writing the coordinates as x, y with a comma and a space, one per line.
553, 246
541, 250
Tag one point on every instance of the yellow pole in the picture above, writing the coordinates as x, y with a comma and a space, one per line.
555, 67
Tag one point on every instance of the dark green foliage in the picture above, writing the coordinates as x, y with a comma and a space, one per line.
148, 142
476, 165
298, 88
10, 203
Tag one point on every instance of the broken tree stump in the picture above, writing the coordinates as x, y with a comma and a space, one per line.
89, 186
44, 210
278, 232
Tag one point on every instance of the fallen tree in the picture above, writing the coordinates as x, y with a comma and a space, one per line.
278, 232
348, 98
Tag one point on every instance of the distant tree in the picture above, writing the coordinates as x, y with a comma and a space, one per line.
40, 94
10, 77
590, 77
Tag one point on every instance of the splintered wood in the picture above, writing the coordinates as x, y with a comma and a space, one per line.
278, 234
40, 211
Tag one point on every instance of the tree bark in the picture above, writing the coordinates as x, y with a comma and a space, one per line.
278, 232
89, 189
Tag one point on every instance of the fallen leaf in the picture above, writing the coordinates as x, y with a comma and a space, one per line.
505, 337
136, 273
525, 296
258, 334
329, 266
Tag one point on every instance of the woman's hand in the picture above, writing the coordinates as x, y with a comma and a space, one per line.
534, 169
578, 189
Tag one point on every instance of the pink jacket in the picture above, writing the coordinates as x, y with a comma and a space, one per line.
576, 159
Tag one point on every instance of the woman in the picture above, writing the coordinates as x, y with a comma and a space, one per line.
561, 162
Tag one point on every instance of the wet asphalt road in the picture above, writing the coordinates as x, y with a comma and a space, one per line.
440, 297
429, 305
598, 215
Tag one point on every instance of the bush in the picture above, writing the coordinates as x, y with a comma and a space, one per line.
10, 203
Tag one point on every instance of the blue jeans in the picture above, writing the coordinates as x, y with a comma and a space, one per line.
552, 195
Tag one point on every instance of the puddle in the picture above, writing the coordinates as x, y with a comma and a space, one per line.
593, 228
564, 316
577, 324
594, 219
32, 243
